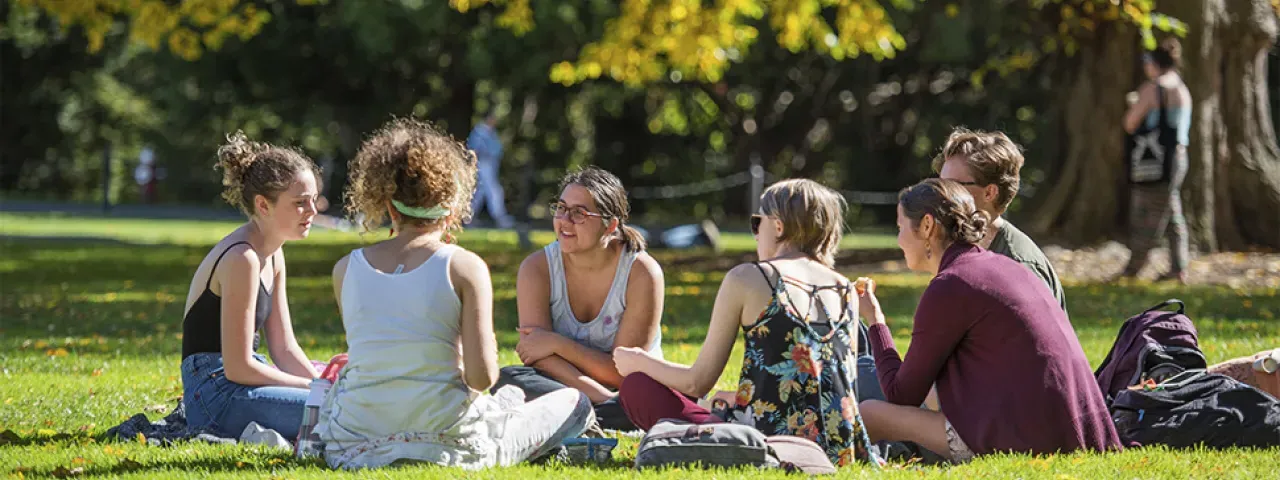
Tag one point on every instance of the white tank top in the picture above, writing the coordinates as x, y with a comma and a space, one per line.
600, 332
404, 345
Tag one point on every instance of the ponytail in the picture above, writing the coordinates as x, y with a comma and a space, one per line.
630, 237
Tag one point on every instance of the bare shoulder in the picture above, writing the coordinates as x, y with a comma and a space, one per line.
463, 258
467, 266
238, 265
535, 263
238, 257
645, 268
748, 277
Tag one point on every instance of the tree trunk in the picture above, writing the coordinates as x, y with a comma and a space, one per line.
1084, 204
1202, 56
1233, 186
1251, 173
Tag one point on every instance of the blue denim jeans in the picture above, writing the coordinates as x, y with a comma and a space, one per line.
211, 401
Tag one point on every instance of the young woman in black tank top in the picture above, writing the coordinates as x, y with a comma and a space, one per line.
237, 297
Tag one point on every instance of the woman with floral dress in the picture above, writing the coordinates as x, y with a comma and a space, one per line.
798, 319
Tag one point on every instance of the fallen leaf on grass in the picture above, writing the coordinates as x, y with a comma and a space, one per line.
156, 408
63, 472
9, 436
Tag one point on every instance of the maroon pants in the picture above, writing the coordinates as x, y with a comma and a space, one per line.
646, 401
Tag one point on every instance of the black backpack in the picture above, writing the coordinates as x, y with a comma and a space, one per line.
1195, 407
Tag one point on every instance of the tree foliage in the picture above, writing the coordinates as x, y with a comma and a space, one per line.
187, 29
856, 94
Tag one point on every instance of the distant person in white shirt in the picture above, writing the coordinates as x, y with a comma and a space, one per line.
145, 175
488, 147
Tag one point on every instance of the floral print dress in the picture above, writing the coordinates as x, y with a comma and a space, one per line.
796, 381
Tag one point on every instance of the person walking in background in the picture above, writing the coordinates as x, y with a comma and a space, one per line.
1155, 208
145, 175
488, 147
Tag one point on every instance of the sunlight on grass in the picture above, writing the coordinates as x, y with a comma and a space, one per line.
199, 232
90, 335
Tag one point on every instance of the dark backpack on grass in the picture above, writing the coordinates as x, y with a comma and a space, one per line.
1197, 408
1154, 344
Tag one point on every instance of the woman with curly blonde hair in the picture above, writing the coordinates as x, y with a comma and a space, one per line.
238, 292
418, 315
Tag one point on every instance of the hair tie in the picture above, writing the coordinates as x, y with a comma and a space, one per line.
433, 213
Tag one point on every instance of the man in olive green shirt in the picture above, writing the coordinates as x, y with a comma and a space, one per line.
989, 165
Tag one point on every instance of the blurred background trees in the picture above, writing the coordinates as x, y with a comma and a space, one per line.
857, 94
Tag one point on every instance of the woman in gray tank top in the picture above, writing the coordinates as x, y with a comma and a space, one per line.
592, 290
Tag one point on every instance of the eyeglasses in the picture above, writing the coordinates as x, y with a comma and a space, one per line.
756, 220
577, 215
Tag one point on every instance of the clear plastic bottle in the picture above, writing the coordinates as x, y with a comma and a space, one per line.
308, 443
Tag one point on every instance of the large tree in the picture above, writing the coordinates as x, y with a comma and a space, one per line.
1232, 193
1233, 188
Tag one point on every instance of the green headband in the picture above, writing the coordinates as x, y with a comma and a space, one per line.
433, 213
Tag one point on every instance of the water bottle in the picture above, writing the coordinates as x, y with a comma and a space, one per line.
309, 444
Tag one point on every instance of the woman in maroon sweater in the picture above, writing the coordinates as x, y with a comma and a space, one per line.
1009, 370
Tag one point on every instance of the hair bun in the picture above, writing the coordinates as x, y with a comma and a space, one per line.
973, 226
234, 158
252, 168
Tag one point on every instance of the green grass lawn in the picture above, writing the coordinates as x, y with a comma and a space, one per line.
89, 335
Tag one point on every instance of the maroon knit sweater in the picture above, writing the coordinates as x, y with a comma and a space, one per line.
1010, 372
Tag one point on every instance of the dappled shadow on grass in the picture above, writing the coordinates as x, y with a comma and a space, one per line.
259, 463
125, 291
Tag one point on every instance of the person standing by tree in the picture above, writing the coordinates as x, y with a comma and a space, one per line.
1155, 208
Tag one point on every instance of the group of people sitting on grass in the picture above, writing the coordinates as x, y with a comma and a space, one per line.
994, 364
